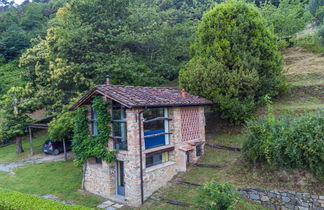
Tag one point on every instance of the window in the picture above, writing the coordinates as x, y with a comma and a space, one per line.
156, 127
93, 122
198, 150
156, 158
119, 128
98, 160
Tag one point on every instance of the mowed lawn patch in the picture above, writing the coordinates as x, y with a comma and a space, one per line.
62, 179
8, 153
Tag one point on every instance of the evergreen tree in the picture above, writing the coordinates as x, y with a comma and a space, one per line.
235, 60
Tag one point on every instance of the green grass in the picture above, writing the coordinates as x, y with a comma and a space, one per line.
62, 179
16, 200
236, 172
8, 153
188, 194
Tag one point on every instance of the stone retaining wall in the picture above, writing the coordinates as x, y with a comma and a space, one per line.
276, 199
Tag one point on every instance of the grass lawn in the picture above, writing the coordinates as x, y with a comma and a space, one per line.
236, 172
8, 153
188, 194
62, 179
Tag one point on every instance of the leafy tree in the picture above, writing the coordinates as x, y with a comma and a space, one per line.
137, 43
316, 8
235, 60
13, 41
288, 18
9, 75
15, 106
61, 127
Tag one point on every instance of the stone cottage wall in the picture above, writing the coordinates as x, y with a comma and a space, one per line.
131, 159
276, 199
158, 176
99, 178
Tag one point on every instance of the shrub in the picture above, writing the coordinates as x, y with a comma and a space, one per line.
217, 196
294, 141
235, 60
313, 42
321, 36
11, 200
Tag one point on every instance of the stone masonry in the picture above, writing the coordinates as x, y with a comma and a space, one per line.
100, 179
276, 199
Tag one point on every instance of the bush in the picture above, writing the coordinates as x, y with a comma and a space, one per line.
321, 36
10, 200
293, 141
217, 196
313, 42
235, 60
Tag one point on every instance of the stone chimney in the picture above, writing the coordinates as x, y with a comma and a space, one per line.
107, 79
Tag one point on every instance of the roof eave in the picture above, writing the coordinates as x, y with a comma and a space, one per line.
170, 105
87, 97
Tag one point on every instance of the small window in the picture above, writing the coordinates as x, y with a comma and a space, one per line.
98, 160
94, 123
198, 150
156, 158
119, 126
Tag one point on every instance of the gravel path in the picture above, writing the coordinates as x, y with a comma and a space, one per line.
36, 159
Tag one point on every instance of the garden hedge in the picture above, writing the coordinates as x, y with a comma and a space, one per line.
10, 200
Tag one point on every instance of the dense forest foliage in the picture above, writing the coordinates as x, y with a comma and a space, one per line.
58, 49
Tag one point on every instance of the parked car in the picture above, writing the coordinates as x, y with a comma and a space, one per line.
56, 147
4, 143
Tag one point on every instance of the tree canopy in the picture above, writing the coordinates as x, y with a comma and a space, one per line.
235, 60
288, 18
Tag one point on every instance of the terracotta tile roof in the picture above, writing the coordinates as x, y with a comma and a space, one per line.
138, 96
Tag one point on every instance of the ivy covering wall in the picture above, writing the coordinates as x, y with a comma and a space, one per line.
87, 146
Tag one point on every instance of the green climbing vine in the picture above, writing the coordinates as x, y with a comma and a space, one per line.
85, 145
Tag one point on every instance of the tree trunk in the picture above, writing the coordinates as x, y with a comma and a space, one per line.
19, 148
31, 142
64, 148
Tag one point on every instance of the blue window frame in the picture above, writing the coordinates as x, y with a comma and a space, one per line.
156, 127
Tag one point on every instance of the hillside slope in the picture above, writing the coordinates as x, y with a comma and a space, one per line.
305, 76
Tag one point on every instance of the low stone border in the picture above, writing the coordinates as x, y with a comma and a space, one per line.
277, 199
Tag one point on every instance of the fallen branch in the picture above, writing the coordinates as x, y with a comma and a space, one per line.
184, 183
223, 147
208, 165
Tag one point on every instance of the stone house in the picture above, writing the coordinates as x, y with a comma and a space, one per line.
157, 132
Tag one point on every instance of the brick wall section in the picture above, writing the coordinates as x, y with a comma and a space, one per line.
190, 123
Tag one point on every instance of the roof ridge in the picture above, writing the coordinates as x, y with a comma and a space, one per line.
140, 86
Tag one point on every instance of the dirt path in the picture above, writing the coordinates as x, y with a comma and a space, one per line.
36, 159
